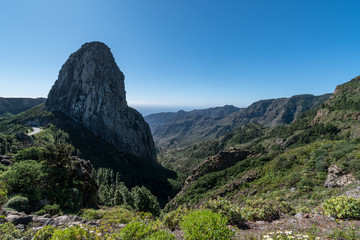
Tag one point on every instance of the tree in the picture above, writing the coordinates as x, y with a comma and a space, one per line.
58, 155
144, 200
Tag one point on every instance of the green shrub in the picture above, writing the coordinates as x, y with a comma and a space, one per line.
206, 225
49, 209
8, 231
345, 233
18, 203
45, 233
41, 212
342, 207
135, 230
70, 233
52, 209
161, 235
91, 214
3, 193
173, 218
25, 177
226, 208
265, 210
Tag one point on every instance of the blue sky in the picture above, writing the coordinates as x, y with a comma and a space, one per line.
189, 53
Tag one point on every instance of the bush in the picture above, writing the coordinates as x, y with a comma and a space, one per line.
161, 235
113, 216
342, 207
26, 178
226, 208
75, 232
135, 230
265, 210
50, 209
8, 231
173, 218
205, 224
91, 214
18, 203
3, 193
45, 233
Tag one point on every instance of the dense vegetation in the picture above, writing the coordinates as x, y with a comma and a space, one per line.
46, 173
285, 172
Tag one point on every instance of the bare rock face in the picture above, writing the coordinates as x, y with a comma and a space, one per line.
90, 90
337, 178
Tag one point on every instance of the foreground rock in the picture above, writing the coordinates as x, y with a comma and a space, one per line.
90, 90
22, 220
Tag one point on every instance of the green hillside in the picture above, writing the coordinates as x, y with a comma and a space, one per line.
290, 162
11, 106
249, 183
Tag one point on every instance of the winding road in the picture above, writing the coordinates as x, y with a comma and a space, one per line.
35, 131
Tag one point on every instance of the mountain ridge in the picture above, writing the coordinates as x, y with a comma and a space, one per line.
16, 105
188, 127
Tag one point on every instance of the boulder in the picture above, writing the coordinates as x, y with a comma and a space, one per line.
19, 218
337, 178
6, 162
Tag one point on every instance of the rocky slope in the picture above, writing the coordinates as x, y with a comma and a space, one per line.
90, 90
18, 105
183, 128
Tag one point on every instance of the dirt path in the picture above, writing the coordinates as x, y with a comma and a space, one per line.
35, 131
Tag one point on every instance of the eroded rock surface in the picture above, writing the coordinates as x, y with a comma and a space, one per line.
90, 90
337, 178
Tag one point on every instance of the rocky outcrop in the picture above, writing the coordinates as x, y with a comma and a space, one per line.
6, 160
219, 162
90, 90
82, 172
223, 160
337, 178
23, 221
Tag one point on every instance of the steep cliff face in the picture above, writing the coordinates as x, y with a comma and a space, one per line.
90, 90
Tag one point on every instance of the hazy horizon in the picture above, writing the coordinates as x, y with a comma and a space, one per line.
146, 109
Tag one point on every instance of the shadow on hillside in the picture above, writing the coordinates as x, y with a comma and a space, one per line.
133, 170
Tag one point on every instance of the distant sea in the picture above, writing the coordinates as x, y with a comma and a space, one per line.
147, 110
